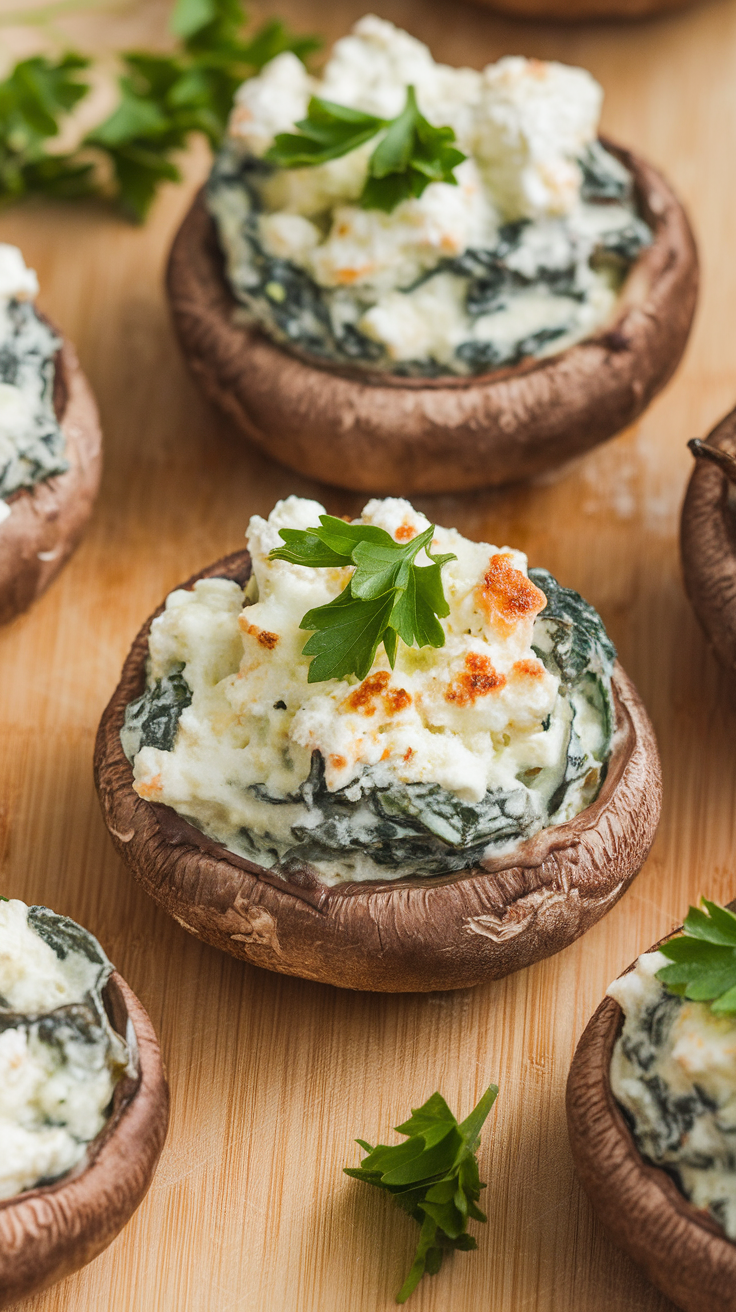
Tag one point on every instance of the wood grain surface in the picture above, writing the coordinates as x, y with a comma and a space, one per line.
271, 1077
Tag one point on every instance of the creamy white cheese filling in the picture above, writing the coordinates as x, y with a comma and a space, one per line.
674, 1072
527, 128
59, 1057
31, 440
234, 727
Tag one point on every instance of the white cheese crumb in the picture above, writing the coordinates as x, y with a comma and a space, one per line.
15, 279
533, 121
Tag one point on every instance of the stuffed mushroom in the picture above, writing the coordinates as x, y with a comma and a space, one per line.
378, 806
50, 443
408, 276
651, 1105
83, 1099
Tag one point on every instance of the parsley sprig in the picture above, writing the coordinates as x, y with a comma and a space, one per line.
33, 98
388, 596
163, 99
434, 1177
704, 959
410, 155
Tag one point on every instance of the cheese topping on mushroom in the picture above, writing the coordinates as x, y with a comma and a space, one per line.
31, 440
474, 744
674, 1072
59, 1057
523, 257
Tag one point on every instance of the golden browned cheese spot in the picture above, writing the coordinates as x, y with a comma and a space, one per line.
478, 679
508, 596
528, 669
396, 699
405, 532
262, 636
338, 762
346, 277
366, 696
151, 789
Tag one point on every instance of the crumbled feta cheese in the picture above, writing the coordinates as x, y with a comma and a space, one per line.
270, 103
383, 251
534, 121
15, 279
470, 717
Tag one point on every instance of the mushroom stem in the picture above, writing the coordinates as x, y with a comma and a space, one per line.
725, 461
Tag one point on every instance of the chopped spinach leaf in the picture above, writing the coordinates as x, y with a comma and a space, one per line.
568, 634
152, 720
621, 246
64, 935
604, 177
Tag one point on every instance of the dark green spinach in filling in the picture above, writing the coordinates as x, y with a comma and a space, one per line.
294, 309
152, 719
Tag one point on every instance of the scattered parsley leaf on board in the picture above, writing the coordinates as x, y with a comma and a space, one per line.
434, 1177
33, 98
388, 596
163, 99
704, 959
411, 154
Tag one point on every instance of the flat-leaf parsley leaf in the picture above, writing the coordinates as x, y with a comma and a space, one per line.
34, 96
387, 597
434, 1177
704, 959
411, 154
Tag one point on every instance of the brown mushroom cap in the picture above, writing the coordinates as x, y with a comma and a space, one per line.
708, 546
681, 1249
47, 521
381, 433
579, 10
48, 1232
392, 936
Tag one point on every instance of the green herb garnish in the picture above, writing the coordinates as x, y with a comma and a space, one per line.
163, 99
388, 596
434, 1177
33, 98
412, 153
704, 959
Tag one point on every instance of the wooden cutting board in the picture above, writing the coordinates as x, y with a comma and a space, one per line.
272, 1078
